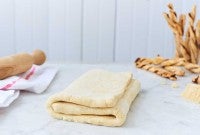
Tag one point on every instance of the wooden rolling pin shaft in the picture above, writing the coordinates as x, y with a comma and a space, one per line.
19, 63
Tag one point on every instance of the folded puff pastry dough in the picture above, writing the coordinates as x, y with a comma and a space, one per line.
98, 97
192, 93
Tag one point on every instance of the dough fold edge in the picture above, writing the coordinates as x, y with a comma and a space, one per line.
59, 108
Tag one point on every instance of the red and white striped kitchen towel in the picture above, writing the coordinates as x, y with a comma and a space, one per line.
36, 80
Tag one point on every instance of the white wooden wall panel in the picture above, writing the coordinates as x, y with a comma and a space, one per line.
23, 25
155, 36
140, 28
98, 30
107, 18
73, 30
40, 24
56, 30
89, 31
124, 24
6, 27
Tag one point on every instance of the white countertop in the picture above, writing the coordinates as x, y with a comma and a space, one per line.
158, 109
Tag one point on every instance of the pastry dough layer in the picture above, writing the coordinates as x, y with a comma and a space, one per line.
98, 97
192, 93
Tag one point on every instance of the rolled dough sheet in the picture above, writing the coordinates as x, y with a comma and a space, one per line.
98, 97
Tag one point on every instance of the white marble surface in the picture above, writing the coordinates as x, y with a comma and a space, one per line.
157, 110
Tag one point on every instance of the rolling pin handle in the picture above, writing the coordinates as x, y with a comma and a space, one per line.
39, 57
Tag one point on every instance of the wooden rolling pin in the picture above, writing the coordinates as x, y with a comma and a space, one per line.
19, 63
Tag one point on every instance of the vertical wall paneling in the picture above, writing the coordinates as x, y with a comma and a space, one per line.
56, 30
6, 27
23, 25
73, 29
90, 30
106, 30
124, 24
40, 24
156, 29
140, 28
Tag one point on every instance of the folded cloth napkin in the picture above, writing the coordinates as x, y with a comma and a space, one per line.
98, 97
36, 80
